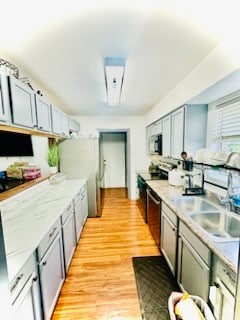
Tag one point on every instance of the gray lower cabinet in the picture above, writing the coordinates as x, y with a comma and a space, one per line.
84, 200
169, 233
69, 235
78, 215
80, 210
26, 303
51, 269
193, 263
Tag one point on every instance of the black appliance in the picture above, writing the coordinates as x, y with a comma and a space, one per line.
142, 186
155, 144
15, 144
154, 215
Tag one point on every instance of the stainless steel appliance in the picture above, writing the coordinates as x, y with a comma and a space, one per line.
79, 159
155, 144
154, 214
142, 186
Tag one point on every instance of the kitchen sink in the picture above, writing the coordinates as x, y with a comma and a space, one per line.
192, 204
219, 225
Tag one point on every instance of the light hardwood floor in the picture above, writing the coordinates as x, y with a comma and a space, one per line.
100, 282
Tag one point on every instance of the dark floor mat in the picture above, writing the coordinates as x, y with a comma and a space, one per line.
155, 283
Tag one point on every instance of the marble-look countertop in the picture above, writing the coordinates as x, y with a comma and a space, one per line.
226, 251
28, 217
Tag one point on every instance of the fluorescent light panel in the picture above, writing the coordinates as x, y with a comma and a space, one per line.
114, 72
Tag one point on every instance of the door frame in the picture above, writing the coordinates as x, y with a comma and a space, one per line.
127, 153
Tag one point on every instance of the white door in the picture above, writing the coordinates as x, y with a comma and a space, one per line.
113, 151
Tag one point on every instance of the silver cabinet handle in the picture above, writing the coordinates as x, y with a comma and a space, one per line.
35, 278
16, 282
52, 233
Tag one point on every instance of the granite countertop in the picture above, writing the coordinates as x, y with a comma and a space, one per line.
226, 251
28, 216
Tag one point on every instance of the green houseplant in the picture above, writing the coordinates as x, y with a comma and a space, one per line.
53, 158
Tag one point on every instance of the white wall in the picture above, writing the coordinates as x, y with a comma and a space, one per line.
136, 127
113, 153
40, 146
223, 60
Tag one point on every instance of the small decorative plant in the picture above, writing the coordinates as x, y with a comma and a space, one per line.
53, 155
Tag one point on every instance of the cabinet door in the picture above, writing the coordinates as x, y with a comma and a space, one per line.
43, 114
157, 128
56, 120
76, 126
148, 135
84, 200
166, 136
23, 104
193, 273
51, 276
169, 241
28, 304
65, 124
4, 98
78, 218
69, 240
177, 129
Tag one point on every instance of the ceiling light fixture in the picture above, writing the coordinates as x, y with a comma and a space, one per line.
114, 72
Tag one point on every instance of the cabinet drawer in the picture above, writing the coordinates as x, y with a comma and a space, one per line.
67, 212
78, 196
44, 245
196, 243
169, 213
21, 278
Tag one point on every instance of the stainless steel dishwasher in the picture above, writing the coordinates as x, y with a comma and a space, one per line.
153, 214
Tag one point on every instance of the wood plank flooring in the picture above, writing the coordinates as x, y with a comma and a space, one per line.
100, 282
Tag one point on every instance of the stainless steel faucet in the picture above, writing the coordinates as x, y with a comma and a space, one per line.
227, 201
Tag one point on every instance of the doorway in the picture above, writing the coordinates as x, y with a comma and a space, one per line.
113, 159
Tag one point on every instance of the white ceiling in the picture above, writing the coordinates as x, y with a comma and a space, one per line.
61, 45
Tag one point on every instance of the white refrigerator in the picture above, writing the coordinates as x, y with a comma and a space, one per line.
79, 159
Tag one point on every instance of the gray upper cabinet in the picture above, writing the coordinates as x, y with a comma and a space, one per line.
43, 114
157, 128
4, 99
56, 120
195, 127
184, 129
166, 136
177, 130
74, 125
65, 125
152, 130
22, 104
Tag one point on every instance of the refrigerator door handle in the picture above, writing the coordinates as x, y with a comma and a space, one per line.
103, 171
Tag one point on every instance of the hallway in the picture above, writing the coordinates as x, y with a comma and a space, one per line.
100, 282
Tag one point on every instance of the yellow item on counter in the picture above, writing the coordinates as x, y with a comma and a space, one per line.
186, 309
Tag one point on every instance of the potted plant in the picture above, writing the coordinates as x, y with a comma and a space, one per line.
53, 158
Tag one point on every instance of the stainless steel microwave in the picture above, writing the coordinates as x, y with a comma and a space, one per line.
155, 144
